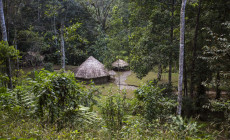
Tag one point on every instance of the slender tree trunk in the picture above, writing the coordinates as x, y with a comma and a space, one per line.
171, 40
194, 54
16, 47
62, 46
159, 72
8, 65
55, 30
17, 61
3, 25
4, 38
7, 17
54, 24
185, 78
38, 10
181, 57
218, 91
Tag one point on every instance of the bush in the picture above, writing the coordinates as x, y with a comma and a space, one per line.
155, 104
167, 88
112, 111
49, 67
220, 106
55, 98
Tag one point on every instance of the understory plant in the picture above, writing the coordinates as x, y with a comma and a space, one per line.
155, 103
220, 106
113, 112
53, 98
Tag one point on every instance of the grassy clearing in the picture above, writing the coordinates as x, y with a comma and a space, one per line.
133, 80
112, 89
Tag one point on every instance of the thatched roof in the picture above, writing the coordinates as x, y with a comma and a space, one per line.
120, 63
90, 69
112, 73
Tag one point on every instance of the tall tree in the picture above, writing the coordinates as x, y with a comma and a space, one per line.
4, 38
181, 57
3, 25
62, 47
194, 54
101, 11
171, 40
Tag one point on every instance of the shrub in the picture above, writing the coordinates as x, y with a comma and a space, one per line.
155, 104
221, 106
49, 67
112, 111
183, 128
55, 98
167, 88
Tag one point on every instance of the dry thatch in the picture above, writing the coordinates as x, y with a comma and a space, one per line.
91, 69
120, 64
112, 73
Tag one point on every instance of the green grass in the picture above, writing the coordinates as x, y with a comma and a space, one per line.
133, 80
111, 89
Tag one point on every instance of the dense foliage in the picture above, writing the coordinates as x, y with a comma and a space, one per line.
48, 103
156, 103
44, 104
54, 98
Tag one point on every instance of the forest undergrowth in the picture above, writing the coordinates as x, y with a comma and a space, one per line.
53, 105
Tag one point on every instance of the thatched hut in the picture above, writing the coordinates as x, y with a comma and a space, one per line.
120, 65
93, 70
112, 74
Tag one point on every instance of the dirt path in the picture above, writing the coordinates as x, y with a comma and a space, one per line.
123, 76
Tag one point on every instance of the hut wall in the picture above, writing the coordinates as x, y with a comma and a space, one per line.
100, 80
126, 68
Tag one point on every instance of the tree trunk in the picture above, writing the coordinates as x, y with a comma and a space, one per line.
171, 40
17, 61
38, 10
159, 72
181, 57
62, 47
185, 78
3, 25
4, 38
8, 65
55, 30
54, 24
194, 55
7, 17
218, 91
16, 47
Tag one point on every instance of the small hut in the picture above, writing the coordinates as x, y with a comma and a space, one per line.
112, 75
120, 65
93, 70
